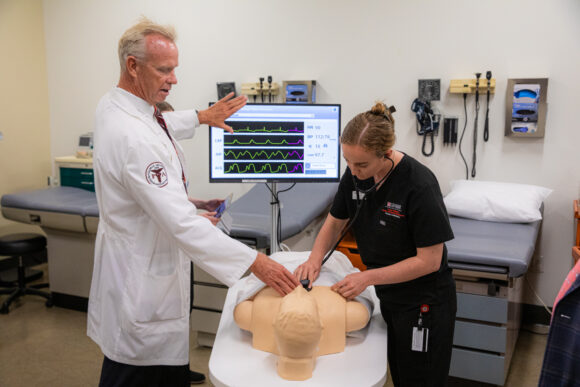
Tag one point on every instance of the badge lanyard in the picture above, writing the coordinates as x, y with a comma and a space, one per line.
420, 342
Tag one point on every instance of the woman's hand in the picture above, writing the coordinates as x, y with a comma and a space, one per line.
308, 270
352, 285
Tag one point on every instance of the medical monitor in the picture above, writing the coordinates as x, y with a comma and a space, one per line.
277, 143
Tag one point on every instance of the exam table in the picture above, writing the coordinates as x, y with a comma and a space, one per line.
69, 217
489, 261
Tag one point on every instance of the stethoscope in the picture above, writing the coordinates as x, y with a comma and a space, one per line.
359, 203
365, 192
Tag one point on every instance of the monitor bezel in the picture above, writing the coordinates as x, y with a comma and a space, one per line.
289, 179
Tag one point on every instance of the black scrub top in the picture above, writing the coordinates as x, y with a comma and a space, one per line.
405, 213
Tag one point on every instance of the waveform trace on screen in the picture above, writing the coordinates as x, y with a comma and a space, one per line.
265, 154
266, 127
232, 140
268, 168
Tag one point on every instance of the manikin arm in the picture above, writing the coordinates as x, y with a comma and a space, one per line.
357, 316
243, 314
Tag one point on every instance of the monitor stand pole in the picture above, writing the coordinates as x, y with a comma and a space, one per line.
275, 210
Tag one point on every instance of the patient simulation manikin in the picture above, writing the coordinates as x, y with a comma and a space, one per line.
300, 326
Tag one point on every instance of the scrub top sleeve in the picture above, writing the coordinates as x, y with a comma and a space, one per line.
429, 222
181, 123
164, 200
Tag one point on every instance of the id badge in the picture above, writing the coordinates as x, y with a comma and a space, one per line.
420, 339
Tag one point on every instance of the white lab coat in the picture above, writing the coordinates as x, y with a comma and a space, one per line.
148, 233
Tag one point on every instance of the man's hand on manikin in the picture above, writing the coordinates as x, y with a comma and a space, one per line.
274, 274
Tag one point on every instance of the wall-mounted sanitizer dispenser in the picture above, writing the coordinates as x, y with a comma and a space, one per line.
526, 107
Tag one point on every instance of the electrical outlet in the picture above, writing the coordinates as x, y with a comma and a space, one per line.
430, 89
1, 136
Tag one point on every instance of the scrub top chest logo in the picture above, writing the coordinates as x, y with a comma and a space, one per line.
156, 174
393, 210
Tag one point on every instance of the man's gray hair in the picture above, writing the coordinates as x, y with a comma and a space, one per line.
132, 43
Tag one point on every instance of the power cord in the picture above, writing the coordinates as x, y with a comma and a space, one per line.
461, 138
538, 297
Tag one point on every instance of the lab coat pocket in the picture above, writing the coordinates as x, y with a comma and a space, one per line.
159, 298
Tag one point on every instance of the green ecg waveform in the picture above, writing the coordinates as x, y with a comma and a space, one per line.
267, 142
256, 154
262, 130
263, 168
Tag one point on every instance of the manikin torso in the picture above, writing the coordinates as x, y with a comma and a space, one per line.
281, 325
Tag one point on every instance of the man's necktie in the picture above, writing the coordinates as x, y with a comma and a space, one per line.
161, 121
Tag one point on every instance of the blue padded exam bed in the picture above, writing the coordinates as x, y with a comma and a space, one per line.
300, 205
489, 261
25, 207
491, 246
69, 217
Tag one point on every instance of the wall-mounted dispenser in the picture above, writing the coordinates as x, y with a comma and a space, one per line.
526, 107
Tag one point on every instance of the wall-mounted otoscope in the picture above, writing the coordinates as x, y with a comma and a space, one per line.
474, 160
486, 126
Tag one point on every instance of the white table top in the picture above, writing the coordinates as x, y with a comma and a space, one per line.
234, 362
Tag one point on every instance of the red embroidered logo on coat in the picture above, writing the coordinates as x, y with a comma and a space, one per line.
156, 174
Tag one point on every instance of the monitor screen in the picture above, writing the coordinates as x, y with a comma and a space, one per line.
277, 142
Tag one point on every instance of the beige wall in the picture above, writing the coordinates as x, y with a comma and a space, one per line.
24, 119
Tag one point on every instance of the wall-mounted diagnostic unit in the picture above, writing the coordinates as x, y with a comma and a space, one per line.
224, 88
526, 107
277, 142
299, 91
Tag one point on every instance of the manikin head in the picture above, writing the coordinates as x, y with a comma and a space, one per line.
297, 330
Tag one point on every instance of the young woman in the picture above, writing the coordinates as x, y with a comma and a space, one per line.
400, 224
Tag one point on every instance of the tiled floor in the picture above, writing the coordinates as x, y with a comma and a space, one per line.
42, 346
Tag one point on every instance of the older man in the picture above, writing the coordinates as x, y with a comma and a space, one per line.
148, 230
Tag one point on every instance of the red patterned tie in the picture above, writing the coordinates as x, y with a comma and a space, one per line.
163, 125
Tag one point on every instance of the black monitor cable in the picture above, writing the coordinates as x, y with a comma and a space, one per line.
461, 138
277, 201
475, 122
270, 89
486, 126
